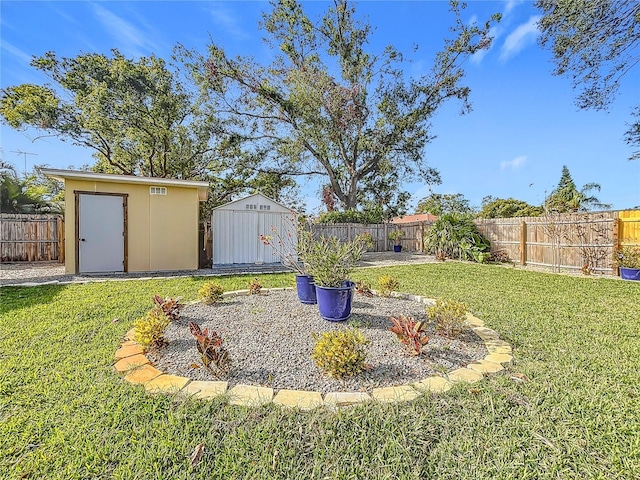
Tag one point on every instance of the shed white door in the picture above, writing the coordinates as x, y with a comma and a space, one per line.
100, 233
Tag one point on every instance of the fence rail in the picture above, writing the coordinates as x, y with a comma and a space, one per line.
31, 238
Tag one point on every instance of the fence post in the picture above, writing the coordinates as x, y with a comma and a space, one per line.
616, 244
60, 240
523, 243
386, 237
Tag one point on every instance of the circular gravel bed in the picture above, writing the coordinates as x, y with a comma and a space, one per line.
269, 339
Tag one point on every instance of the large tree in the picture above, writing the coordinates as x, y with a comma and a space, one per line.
327, 106
596, 43
566, 198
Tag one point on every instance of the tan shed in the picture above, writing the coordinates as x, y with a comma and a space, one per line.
122, 223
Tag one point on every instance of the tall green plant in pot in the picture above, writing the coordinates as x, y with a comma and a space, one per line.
331, 263
628, 262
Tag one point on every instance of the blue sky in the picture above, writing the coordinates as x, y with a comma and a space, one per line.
524, 125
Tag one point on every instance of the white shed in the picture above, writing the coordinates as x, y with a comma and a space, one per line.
237, 227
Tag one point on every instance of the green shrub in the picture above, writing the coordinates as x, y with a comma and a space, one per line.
149, 330
450, 317
340, 353
387, 284
628, 257
456, 236
210, 293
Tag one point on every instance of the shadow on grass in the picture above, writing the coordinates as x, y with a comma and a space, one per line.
15, 298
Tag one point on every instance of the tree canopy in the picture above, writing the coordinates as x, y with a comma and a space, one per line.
441, 204
566, 197
596, 43
326, 106
507, 208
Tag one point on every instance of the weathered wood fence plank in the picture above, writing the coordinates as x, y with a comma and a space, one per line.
31, 238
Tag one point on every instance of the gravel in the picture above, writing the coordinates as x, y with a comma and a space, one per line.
269, 339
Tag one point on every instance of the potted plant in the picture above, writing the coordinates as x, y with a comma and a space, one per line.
628, 261
331, 262
395, 236
291, 246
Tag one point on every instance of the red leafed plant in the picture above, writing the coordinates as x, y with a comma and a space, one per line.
410, 332
170, 306
210, 348
364, 289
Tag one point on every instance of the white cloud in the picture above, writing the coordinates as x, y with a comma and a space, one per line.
131, 40
227, 20
521, 37
514, 164
510, 5
21, 55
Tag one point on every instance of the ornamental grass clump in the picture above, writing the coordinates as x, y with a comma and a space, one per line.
210, 293
340, 353
149, 330
449, 317
331, 261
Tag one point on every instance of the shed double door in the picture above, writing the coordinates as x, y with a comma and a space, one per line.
236, 237
101, 233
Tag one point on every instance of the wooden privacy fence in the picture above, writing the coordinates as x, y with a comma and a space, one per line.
412, 241
567, 241
31, 238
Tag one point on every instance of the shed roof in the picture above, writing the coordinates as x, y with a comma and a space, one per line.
111, 178
261, 196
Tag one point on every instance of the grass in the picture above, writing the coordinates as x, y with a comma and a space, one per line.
568, 407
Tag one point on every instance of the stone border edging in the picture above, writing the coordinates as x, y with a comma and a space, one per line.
137, 369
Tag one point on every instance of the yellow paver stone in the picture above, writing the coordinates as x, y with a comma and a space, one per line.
129, 335
130, 362
126, 343
433, 384
492, 349
344, 399
298, 399
128, 351
166, 384
483, 366
402, 393
208, 389
498, 358
474, 321
496, 343
486, 333
142, 374
464, 375
250, 395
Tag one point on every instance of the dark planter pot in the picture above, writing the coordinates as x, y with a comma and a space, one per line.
335, 303
306, 289
630, 273
397, 248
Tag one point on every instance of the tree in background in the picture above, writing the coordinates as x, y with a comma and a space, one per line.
597, 44
444, 203
507, 208
328, 107
32, 194
566, 198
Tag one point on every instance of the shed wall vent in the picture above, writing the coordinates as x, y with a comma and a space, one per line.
158, 190
251, 206
265, 207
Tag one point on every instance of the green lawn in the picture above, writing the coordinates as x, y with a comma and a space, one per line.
65, 414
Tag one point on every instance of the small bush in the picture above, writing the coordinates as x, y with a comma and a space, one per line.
210, 293
387, 284
410, 332
364, 289
499, 256
149, 330
210, 348
456, 236
450, 317
340, 353
169, 306
254, 286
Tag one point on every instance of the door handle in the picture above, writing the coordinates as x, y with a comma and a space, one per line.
82, 240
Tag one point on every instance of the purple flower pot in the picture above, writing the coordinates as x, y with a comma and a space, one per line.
306, 289
397, 248
335, 303
630, 273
